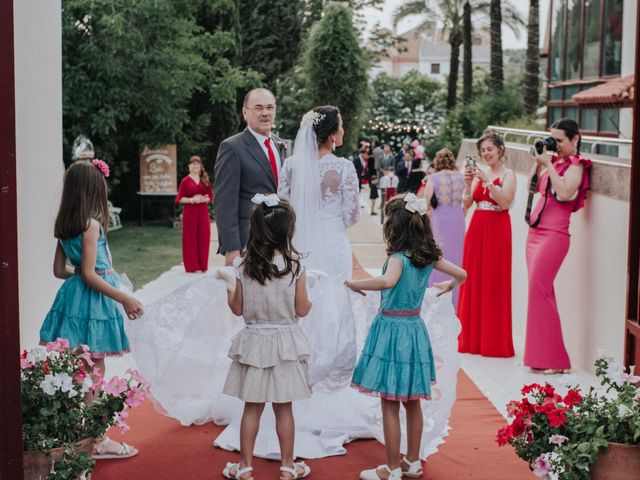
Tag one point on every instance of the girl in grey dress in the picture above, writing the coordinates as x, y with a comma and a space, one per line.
270, 355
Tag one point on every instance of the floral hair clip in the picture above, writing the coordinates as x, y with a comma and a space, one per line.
270, 200
312, 118
102, 166
415, 204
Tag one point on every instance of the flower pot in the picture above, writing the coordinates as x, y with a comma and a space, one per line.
618, 461
38, 464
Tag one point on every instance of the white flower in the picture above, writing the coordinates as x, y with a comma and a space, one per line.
66, 382
50, 384
73, 393
37, 354
87, 383
53, 355
624, 411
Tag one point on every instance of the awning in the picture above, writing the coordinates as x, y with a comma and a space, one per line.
614, 93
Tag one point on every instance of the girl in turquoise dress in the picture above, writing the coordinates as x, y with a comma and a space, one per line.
85, 310
396, 363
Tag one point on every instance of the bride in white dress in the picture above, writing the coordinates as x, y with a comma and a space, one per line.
181, 342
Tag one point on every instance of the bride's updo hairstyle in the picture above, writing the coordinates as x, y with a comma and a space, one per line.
270, 232
326, 123
410, 233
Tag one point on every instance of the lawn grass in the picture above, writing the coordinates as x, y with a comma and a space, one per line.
143, 253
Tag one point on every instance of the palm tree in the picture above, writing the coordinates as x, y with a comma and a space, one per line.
451, 13
467, 65
532, 65
498, 12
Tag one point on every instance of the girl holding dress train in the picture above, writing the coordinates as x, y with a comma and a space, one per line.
270, 355
397, 361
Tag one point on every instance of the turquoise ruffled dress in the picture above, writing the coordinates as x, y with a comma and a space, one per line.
81, 314
397, 361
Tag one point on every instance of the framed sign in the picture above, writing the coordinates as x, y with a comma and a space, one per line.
158, 172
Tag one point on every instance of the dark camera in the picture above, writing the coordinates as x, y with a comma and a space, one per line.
548, 142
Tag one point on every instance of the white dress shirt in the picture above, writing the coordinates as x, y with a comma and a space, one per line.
274, 146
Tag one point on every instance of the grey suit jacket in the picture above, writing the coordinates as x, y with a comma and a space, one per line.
242, 169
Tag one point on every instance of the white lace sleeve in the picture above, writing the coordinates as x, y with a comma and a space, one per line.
284, 180
350, 195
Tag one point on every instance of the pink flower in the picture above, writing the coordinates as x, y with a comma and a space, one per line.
121, 423
558, 439
512, 408
102, 166
135, 397
60, 345
541, 466
116, 386
144, 383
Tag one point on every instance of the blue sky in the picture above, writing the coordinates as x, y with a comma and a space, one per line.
509, 40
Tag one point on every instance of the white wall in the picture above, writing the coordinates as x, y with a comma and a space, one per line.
38, 74
592, 283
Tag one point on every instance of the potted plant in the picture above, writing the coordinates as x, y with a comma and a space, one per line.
59, 423
572, 436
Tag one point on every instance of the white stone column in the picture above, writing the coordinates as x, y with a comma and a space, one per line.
38, 77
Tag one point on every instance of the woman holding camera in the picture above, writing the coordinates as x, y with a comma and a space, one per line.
563, 183
484, 304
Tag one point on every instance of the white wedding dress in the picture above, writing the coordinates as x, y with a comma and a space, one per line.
181, 342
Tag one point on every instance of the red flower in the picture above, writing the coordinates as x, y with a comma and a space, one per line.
513, 408
45, 367
548, 390
504, 435
557, 417
517, 427
573, 397
529, 388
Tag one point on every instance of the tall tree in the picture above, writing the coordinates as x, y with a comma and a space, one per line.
336, 68
270, 36
467, 64
532, 65
497, 69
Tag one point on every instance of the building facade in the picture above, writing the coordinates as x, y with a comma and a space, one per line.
590, 46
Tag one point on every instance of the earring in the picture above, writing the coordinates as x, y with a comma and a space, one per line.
333, 145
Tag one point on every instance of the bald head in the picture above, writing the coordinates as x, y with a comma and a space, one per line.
255, 92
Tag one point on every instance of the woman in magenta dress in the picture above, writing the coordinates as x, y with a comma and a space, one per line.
563, 183
195, 194
447, 219
484, 304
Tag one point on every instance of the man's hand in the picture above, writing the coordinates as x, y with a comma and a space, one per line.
230, 256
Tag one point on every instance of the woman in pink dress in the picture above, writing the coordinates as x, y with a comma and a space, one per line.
563, 183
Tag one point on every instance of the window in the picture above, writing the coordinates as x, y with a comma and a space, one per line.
435, 68
589, 120
555, 94
571, 90
591, 65
612, 51
556, 56
555, 113
573, 40
571, 112
610, 120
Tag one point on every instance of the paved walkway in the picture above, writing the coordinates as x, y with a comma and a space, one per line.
499, 379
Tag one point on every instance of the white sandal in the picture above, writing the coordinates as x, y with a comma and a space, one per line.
306, 470
415, 468
124, 451
226, 473
395, 474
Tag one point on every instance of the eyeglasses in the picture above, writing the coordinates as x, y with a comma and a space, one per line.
262, 108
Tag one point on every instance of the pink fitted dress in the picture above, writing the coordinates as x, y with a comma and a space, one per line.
547, 246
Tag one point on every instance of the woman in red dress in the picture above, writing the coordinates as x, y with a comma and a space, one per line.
195, 194
484, 303
564, 181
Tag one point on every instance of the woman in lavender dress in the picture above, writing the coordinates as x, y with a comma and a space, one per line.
447, 219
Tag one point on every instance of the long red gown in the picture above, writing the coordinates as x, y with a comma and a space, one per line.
196, 225
484, 303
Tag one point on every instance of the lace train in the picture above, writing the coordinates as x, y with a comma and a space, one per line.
180, 345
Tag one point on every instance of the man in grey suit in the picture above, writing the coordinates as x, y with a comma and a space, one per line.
247, 163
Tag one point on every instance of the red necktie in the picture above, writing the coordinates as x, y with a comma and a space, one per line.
272, 159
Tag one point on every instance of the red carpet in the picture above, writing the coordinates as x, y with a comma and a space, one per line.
169, 451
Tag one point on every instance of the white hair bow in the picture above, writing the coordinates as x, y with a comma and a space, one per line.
415, 204
270, 200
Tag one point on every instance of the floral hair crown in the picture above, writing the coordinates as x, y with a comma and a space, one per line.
415, 204
312, 118
270, 200
102, 166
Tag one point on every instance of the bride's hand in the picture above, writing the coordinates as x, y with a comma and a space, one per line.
350, 284
444, 287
